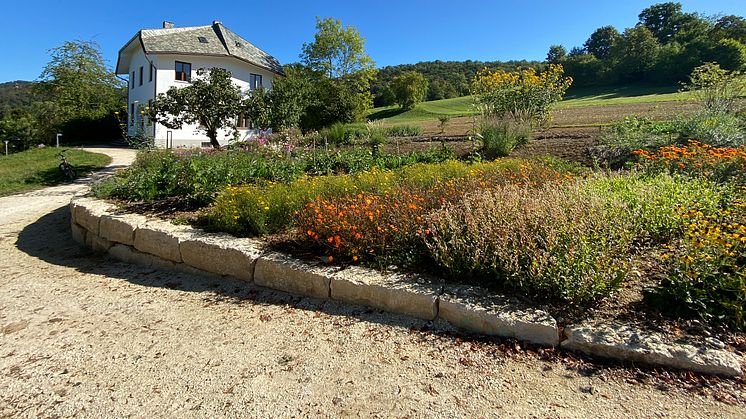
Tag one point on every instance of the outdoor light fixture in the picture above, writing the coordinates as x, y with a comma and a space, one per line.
6, 147
58, 139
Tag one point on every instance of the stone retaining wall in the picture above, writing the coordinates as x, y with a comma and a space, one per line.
136, 239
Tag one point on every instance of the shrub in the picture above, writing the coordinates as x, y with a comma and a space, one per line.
719, 164
639, 132
648, 204
500, 138
707, 268
404, 131
554, 242
717, 89
524, 95
196, 176
241, 210
388, 225
715, 128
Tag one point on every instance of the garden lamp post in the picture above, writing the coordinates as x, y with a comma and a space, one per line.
58, 139
6, 147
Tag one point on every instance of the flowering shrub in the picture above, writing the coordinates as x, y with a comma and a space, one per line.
390, 226
707, 267
524, 95
720, 164
195, 176
273, 207
554, 242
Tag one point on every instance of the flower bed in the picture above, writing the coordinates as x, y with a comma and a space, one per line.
540, 229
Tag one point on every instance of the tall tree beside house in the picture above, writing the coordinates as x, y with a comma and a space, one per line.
76, 94
78, 81
212, 101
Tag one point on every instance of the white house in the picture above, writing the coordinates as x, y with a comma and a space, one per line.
157, 59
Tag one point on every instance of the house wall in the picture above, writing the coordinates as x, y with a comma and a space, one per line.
165, 78
137, 94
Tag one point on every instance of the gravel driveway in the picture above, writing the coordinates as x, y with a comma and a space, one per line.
81, 335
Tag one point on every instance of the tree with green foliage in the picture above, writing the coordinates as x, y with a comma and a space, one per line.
601, 41
556, 54
336, 50
409, 88
290, 96
636, 53
663, 20
77, 80
731, 26
730, 54
343, 93
211, 100
19, 128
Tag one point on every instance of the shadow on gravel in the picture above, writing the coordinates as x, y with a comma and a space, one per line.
49, 239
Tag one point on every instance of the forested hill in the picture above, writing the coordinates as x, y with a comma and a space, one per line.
446, 79
15, 94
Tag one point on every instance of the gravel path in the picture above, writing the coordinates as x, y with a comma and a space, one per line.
81, 335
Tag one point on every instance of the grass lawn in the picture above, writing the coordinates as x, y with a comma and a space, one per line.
462, 106
38, 168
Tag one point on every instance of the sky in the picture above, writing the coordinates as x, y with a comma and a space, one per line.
396, 32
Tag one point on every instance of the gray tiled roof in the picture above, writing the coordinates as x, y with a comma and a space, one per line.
220, 41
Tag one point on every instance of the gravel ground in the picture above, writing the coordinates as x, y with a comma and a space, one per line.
81, 335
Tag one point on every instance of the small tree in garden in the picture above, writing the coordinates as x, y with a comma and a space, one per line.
409, 89
524, 95
717, 89
211, 100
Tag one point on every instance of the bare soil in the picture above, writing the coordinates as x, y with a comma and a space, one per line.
81, 335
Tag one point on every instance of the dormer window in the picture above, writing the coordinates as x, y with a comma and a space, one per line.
183, 71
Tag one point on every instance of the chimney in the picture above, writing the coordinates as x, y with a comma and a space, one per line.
168, 25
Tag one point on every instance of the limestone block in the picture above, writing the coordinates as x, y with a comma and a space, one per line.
120, 228
161, 239
130, 255
280, 272
481, 311
86, 212
78, 233
221, 254
413, 295
627, 343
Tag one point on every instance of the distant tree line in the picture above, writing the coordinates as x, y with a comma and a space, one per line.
663, 48
445, 79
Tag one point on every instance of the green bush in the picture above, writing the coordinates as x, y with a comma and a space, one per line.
500, 138
639, 132
404, 131
194, 177
270, 207
706, 269
714, 128
649, 204
556, 243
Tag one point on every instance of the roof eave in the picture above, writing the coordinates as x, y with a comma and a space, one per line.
138, 35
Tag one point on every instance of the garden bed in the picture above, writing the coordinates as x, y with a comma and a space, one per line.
647, 248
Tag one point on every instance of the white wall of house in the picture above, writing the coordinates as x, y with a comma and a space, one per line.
165, 77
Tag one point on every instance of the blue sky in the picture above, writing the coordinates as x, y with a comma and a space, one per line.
404, 31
